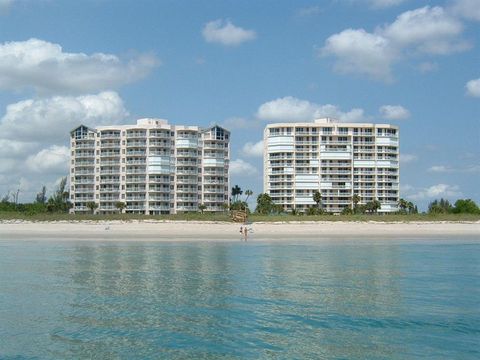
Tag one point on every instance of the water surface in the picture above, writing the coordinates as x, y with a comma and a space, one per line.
287, 300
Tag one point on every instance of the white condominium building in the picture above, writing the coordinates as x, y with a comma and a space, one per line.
151, 167
337, 159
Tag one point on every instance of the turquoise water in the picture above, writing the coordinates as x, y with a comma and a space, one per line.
297, 300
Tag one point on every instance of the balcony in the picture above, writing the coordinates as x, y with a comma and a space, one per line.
159, 207
215, 146
214, 182
192, 190
84, 163
90, 145
83, 198
136, 198
161, 144
214, 191
136, 171
187, 154
187, 163
84, 172
164, 190
83, 154
136, 153
187, 208
110, 162
110, 153
187, 172
109, 198
135, 189
160, 198
84, 190
110, 189
135, 180
110, 135
159, 134
109, 181
84, 181
110, 144
136, 134
136, 143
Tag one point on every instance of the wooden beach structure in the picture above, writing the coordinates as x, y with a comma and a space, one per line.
239, 216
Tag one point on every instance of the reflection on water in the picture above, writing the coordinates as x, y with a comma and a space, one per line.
215, 300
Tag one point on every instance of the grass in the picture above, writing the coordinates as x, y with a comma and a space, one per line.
364, 218
6, 215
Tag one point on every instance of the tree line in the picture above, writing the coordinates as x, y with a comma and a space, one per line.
57, 202
266, 206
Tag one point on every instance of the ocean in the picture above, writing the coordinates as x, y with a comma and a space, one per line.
338, 299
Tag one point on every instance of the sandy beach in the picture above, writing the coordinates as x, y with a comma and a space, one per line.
221, 231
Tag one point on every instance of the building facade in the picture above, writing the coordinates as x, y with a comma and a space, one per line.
337, 159
149, 168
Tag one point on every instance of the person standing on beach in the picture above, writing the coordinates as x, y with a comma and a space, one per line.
245, 233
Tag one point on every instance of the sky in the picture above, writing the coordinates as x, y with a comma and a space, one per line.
242, 65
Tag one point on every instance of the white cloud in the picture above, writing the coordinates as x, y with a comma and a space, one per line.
437, 191
243, 168
469, 9
14, 147
438, 169
238, 123
394, 112
46, 68
53, 159
473, 87
290, 108
427, 30
225, 33
51, 119
34, 136
253, 149
380, 4
358, 51
427, 66
5, 4
407, 158
308, 11
449, 169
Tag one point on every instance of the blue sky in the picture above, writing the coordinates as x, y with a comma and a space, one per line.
243, 64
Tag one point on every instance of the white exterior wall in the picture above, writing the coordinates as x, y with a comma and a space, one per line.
337, 159
152, 167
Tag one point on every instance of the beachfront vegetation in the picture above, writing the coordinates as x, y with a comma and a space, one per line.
266, 206
57, 205
236, 202
461, 206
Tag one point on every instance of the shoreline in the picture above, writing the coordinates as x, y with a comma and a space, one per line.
167, 230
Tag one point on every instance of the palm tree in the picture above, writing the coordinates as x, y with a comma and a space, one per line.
120, 205
355, 200
402, 204
248, 193
236, 191
317, 197
202, 207
92, 206
410, 207
376, 205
